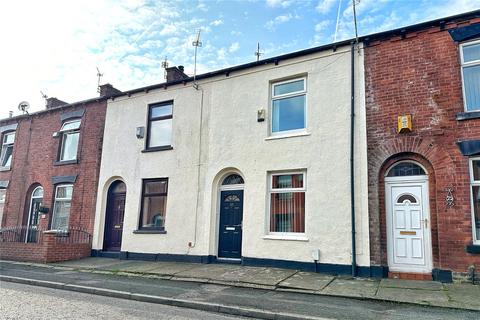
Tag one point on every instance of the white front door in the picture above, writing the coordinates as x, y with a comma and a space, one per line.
408, 224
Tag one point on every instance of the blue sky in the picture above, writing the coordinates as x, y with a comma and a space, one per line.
55, 46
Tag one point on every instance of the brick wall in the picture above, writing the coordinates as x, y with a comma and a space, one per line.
49, 249
34, 154
420, 75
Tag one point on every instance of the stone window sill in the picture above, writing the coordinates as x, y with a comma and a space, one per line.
288, 135
4, 168
63, 163
473, 248
287, 237
467, 115
163, 148
151, 231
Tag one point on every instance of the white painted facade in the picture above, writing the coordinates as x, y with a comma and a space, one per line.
229, 139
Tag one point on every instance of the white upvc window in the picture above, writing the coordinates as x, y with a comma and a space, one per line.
7, 149
287, 203
70, 132
475, 197
289, 106
470, 59
61, 207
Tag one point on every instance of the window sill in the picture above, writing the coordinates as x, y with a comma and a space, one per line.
467, 115
5, 168
288, 135
163, 148
142, 231
63, 163
473, 248
288, 237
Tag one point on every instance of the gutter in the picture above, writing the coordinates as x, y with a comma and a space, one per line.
352, 163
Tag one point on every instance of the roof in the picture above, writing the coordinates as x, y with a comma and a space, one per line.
62, 107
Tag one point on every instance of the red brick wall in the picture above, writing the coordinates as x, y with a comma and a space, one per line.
36, 150
420, 75
47, 250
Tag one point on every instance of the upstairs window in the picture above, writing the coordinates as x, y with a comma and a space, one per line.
160, 125
288, 106
70, 132
61, 207
7, 149
470, 54
287, 202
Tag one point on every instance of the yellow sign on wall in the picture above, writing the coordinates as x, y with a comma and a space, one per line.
404, 124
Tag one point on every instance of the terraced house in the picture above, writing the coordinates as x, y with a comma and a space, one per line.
423, 133
250, 164
48, 180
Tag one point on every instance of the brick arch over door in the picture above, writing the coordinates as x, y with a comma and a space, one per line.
441, 172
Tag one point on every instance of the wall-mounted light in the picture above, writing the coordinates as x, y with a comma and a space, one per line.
140, 133
260, 115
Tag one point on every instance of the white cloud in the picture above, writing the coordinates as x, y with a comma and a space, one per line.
279, 3
216, 22
322, 25
270, 25
234, 47
324, 6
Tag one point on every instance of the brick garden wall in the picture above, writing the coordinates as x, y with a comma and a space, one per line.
420, 75
47, 250
34, 154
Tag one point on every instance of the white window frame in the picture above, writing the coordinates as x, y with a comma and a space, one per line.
63, 200
2, 202
473, 183
4, 145
462, 66
274, 97
67, 132
301, 236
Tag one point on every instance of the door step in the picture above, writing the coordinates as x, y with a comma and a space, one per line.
228, 260
410, 276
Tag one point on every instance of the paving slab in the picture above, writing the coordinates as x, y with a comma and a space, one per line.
207, 271
464, 295
268, 276
411, 284
307, 281
362, 288
170, 268
89, 263
427, 297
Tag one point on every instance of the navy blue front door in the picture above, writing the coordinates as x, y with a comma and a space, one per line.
231, 216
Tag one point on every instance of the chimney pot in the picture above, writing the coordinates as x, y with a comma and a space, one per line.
54, 102
175, 74
108, 90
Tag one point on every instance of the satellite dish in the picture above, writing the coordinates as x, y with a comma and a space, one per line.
23, 106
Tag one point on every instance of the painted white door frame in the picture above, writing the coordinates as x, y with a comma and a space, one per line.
409, 182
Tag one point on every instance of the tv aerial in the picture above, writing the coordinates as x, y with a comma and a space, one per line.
99, 77
24, 106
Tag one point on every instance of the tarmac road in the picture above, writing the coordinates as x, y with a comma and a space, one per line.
19, 301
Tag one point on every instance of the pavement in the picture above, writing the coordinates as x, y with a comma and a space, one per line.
425, 293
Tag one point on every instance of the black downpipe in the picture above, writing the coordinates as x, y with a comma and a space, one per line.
352, 167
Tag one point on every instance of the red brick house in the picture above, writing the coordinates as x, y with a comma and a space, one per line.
49, 165
424, 167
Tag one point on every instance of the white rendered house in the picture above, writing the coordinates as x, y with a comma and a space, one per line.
248, 164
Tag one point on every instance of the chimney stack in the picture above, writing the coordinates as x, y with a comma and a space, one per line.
52, 103
107, 90
10, 114
175, 74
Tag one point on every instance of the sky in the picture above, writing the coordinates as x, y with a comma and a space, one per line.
54, 47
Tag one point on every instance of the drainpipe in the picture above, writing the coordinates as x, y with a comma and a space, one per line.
352, 166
